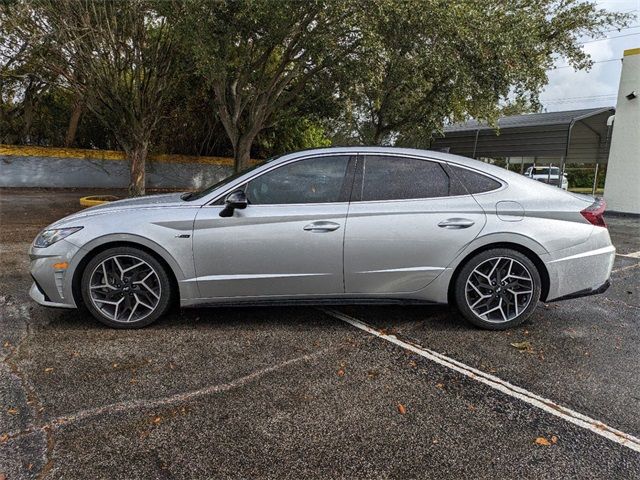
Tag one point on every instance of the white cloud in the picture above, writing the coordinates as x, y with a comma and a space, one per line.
570, 90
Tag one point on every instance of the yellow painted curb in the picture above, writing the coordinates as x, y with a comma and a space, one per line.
86, 154
631, 51
94, 200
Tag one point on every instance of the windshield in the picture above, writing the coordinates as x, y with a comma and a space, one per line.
190, 196
545, 171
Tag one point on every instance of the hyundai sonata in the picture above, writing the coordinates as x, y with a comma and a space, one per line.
332, 226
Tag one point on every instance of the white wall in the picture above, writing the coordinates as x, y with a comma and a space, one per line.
622, 187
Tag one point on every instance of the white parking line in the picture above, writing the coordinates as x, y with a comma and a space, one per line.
496, 383
628, 267
629, 255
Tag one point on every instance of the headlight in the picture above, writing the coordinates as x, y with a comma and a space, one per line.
49, 237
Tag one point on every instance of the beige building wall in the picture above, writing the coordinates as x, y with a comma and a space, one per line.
622, 187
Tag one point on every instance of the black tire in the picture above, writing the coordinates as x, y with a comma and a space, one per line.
155, 293
494, 289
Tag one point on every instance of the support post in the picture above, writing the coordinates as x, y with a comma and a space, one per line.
561, 176
595, 180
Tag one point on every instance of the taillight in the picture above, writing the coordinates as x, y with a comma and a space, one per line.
595, 213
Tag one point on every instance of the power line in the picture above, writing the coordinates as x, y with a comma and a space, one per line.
621, 29
609, 38
585, 98
599, 61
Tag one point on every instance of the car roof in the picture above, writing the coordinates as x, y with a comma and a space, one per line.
432, 154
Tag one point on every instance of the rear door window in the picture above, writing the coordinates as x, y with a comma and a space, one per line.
400, 178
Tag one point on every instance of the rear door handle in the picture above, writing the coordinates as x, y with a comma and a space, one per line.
321, 226
456, 223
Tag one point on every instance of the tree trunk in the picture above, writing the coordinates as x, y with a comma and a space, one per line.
242, 153
70, 137
137, 157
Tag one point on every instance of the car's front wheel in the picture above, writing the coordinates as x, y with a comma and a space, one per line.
125, 287
497, 289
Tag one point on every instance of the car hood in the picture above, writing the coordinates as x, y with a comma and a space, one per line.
151, 201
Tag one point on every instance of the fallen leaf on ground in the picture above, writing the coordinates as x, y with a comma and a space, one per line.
4, 437
7, 344
3, 476
440, 385
13, 411
157, 420
554, 439
402, 409
523, 346
341, 373
542, 441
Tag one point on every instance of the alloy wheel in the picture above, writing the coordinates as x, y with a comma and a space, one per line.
499, 289
125, 288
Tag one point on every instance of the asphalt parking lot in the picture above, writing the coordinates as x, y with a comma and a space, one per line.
300, 392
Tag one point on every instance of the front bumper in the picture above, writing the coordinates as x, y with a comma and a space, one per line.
52, 285
38, 295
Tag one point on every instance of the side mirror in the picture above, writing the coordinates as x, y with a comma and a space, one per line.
237, 199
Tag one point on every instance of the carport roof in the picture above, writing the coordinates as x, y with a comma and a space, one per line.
579, 135
530, 120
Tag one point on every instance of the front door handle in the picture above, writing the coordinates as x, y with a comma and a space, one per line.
455, 223
321, 226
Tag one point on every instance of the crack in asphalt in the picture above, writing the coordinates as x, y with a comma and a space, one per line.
32, 399
150, 404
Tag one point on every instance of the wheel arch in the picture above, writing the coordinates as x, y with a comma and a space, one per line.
530, 254
100, 247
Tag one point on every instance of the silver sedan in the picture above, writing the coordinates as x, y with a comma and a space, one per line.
332, 226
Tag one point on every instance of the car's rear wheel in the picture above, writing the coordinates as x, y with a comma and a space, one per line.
125, 287
497, 289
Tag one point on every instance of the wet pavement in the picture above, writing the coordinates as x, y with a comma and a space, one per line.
297, 393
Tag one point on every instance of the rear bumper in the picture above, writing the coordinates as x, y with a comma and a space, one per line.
585, 293
581, 270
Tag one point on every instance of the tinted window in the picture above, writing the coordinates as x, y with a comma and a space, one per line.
473, 182
317, 180
397, 178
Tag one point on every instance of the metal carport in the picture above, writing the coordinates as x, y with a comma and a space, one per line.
574, 136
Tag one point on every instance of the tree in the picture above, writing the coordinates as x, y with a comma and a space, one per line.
261, 56
114, 56
427, 62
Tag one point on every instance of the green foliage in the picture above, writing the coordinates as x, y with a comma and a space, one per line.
291, 135
261, 77
428, 62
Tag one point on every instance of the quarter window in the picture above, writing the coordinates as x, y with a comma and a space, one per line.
399, 178
473, 182
316, 180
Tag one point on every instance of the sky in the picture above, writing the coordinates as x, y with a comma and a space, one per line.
571, 90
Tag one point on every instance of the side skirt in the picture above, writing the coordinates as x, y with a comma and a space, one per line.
309, 302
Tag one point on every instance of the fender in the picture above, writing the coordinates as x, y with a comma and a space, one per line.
187, 289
